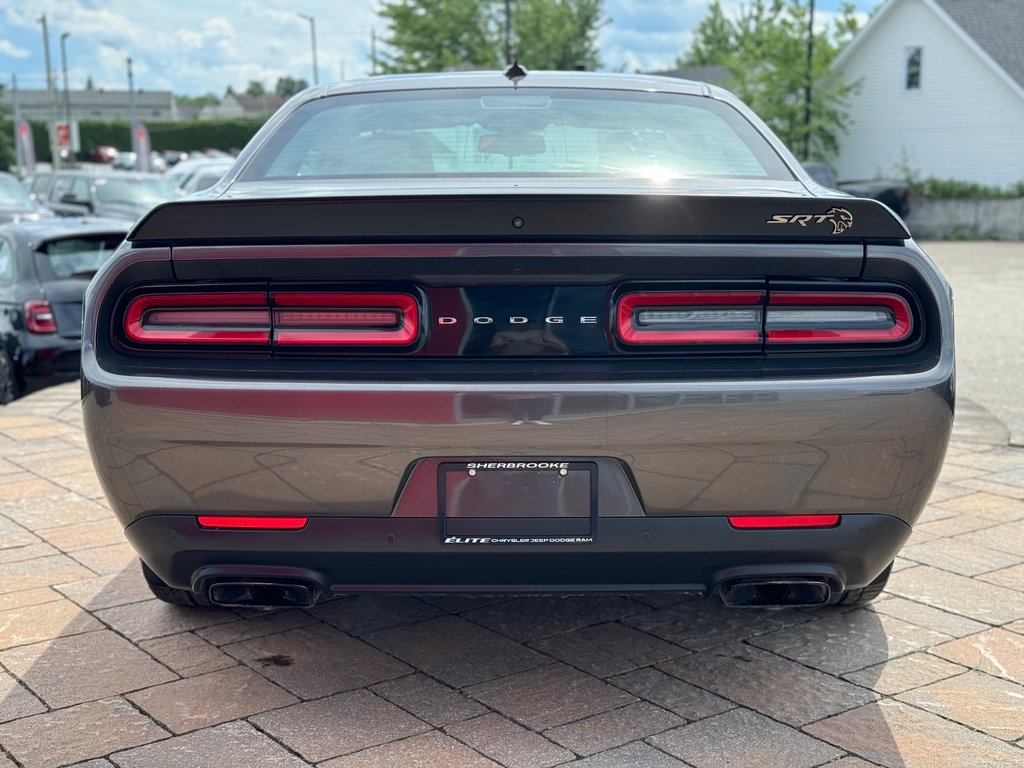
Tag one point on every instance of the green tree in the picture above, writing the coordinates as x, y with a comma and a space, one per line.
438, 35
255, 88
764, 48
196, 101
7, 154
289, 86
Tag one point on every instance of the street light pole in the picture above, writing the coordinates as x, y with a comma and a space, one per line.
810, 81
49, 89
67, 96
131, 108
312, 37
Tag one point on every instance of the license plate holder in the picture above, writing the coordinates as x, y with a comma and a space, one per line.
518, 501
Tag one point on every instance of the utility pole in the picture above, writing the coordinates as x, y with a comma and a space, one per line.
131, 108
67, 97
17, 124
54, 158
810, 82
508, 31
312, 37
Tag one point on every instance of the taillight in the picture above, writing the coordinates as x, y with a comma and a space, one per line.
691, 317
795, 317
776, 318
252, 523
223, 318
39, 317
345, 318
784, 521
358, 319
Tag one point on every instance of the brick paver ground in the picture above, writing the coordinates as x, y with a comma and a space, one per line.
94, 672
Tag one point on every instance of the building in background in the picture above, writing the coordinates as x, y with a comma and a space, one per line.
35, 104
941, 92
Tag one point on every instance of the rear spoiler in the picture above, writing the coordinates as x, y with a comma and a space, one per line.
518, 218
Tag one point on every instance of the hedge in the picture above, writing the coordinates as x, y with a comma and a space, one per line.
186, 136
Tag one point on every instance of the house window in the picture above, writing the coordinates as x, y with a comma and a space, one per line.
913, 68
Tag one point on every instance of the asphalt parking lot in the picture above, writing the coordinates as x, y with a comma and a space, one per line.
95, 672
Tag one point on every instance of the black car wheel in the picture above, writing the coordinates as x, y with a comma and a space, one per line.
169, 594
865, 595
9, 389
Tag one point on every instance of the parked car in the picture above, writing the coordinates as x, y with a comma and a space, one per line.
181, 174
38, 185
103, 154
580, 332
126, 161
45, 267
894, 193
16, 204
117, 194
205, 176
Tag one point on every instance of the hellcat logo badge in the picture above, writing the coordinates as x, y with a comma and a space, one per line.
840, 219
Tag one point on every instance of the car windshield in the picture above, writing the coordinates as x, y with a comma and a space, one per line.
134, 190
76, 256
12, 193
555, 132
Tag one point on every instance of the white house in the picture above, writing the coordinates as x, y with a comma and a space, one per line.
941, 91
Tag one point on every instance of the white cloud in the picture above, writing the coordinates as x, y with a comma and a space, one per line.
7, 48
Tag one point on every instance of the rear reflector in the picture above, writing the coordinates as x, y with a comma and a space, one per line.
345, 318
39, 317
695, 317
837, 317
252, 523
784, 521
223, 318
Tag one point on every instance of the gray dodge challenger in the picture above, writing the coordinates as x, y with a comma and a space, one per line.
562, 332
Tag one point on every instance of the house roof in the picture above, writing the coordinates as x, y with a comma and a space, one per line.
997, 26
993, 29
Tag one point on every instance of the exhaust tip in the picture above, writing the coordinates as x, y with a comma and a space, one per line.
262, 594
775, 593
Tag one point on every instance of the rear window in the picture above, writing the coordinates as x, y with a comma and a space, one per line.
524, 132
75, 256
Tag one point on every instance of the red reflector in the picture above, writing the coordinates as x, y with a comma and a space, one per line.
252, 523
224, 318
39, 317
839, 317
784, 521
690, 318
345, 318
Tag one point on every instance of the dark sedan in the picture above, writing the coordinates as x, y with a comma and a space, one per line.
16, 204
45, 267
467, 332
115, 195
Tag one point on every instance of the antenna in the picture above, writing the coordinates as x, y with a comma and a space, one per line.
515, 73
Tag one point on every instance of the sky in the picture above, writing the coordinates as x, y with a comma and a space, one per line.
197, 46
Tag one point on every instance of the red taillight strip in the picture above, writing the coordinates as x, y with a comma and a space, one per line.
630, 302
403, 305
899, 331
784, 521
206, 305
252, 523
39, 317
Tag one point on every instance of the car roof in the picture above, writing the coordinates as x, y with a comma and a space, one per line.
496, 79
69, 226
92, 174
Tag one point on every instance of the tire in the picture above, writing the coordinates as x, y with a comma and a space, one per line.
171, 595
865, 595
9, 389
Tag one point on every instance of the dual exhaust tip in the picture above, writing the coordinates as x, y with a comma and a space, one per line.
776, 593
263, 594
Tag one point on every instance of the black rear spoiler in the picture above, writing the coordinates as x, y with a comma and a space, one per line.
518, 218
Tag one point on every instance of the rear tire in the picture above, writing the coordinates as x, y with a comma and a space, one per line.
9, 388
168, 594
865, 595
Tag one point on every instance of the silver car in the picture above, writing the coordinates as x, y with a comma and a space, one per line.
578, 332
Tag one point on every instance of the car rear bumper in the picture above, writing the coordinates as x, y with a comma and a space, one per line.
695, 554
